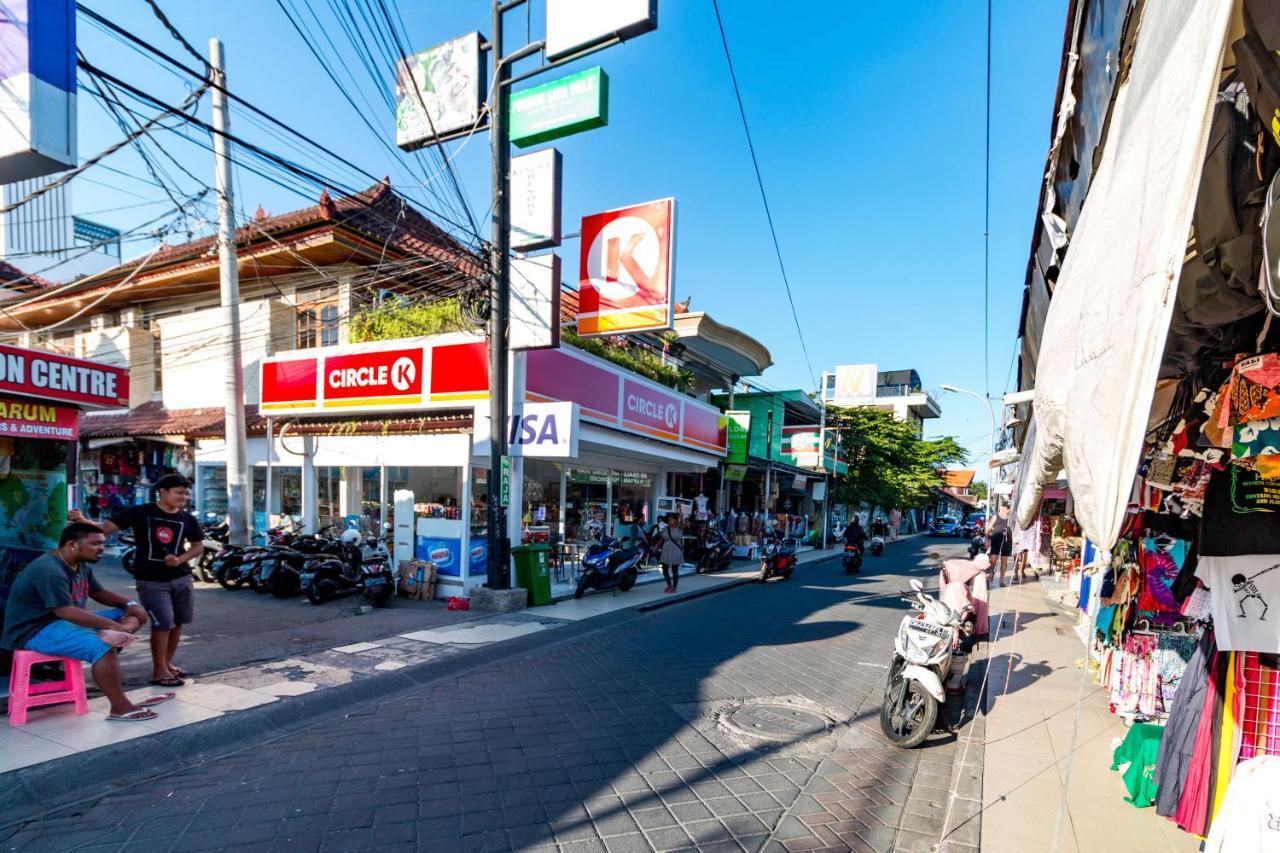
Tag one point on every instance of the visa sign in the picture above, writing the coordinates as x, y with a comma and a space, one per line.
544, 430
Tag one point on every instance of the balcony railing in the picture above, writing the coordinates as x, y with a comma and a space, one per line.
898, 390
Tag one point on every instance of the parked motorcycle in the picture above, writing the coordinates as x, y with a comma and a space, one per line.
607, 565
716, 553
976, 544
852, 561
876, 546
924, 654
777, 559
216, 534
365, 567
129, 556
278, 569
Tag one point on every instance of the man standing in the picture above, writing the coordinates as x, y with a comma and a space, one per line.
162, 570
46, 613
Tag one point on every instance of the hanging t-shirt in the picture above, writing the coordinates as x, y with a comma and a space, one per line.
1255, 389
1246, 591
1250, 816
1241, 514
1161, 561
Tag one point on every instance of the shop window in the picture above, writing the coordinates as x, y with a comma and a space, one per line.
317, 324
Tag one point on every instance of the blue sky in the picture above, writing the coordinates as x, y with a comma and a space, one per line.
868, 123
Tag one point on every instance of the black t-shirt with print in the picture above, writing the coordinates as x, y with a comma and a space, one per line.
159, 534
1241, 514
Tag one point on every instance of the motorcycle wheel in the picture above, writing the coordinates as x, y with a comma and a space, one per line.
257, 582
584, 584
230, 577
627, 580
127, 561
764, 574
204, 569
908, 713
317, 593
282, 585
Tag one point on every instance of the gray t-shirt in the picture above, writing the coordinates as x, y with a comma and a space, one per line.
47, 582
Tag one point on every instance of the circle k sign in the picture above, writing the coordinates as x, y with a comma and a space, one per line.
625, 272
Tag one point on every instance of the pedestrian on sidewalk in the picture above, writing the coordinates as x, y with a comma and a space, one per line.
46, 612
672, 556
162, 570
1000, 541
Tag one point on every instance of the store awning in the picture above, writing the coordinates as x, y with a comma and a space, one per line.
1107, 323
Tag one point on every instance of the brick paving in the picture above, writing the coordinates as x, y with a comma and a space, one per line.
599, 740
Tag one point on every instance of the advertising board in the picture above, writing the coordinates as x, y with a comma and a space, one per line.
439, 92
626, 261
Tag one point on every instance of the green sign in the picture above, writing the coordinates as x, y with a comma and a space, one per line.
560, 108
504, 491
738, 427
735, 473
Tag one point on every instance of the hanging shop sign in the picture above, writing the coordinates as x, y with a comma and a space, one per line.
439, 92
535, 200
856, 385
820, 490
737, 436
559, 108
28, 419
800, 446
625, 269
59, 379
37, 88
576, 26
534, 303
504, 491
735, 473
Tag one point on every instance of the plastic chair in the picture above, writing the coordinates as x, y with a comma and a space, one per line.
23, 695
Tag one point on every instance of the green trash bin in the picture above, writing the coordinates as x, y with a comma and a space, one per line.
533, 572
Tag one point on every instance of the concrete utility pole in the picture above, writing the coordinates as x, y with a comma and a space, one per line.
238, 515
991, 444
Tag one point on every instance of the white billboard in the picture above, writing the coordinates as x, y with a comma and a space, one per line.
535, 200
534, 307
439, 92
576, 25
37, 88
855, 385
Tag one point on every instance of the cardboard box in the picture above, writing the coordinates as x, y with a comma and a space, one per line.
417, 580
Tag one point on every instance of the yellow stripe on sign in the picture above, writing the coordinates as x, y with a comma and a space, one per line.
605, 324
462, 395
355, 403
293, 404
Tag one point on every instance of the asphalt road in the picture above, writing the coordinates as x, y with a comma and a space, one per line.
621, 738
238, 628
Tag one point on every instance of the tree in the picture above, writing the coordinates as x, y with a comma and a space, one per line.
889, 465
978, 489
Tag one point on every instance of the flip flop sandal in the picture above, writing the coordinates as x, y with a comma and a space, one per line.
181, 673
156, 700
166, 682
133, 716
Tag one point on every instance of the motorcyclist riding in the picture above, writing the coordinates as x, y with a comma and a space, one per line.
854, 535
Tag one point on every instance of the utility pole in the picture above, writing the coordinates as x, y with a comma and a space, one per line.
822, 458
229, 281
499, 292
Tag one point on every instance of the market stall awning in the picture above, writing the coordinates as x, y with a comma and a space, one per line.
1109, 317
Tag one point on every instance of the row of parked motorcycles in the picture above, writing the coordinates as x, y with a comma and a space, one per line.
324, 565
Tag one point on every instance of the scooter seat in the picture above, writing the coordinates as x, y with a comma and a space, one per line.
620, 557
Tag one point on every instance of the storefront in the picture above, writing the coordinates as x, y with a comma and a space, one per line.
41, 398
619, 438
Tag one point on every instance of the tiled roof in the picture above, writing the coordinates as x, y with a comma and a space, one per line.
958, 479
25, 282
967, 500
154, 419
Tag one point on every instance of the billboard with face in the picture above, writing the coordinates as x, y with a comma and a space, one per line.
439, 92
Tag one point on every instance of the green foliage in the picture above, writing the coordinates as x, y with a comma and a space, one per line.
889, 466
636, 359
393, 319
978, 489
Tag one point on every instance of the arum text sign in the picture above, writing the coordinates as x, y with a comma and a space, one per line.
28, 419
56, 378
625, 269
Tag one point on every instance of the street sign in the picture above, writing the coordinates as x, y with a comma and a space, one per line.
504, 491
535, 200
574, 26
625, 269
560, 108
534, 306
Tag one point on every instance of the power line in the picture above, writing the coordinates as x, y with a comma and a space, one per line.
724, 40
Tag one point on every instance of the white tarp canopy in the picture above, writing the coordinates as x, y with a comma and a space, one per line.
1109, 317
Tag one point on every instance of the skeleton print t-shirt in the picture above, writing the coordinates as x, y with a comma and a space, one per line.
1246, 601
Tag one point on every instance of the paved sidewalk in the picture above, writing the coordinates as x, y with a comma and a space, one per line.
1030, 706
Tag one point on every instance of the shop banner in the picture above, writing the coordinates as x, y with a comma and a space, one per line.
560, 108
25, 419
544, 430
735, 473
625, 266
856, 385
58, 379
445, 553
738, 430
388, 377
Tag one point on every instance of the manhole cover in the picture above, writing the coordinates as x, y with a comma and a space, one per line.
775, 721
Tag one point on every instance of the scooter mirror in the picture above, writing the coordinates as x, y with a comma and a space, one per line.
916, 585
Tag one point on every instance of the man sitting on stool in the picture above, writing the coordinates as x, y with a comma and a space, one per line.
46, 613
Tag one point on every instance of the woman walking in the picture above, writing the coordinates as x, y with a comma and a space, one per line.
1000, 541
672, 555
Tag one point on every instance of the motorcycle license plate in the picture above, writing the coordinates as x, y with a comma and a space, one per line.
305, 578
923, 627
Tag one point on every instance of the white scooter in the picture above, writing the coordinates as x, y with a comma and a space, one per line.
926, 653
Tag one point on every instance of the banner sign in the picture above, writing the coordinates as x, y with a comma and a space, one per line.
27, 419
386, 377
37, 88
562, 107
59, 379
738, 425
820, 490
439, 92
535, 200
735, 473
544, 431
625, 269
534, 303
856, 385
574, 26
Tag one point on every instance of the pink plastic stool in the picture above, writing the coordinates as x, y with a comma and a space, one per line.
23, 695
